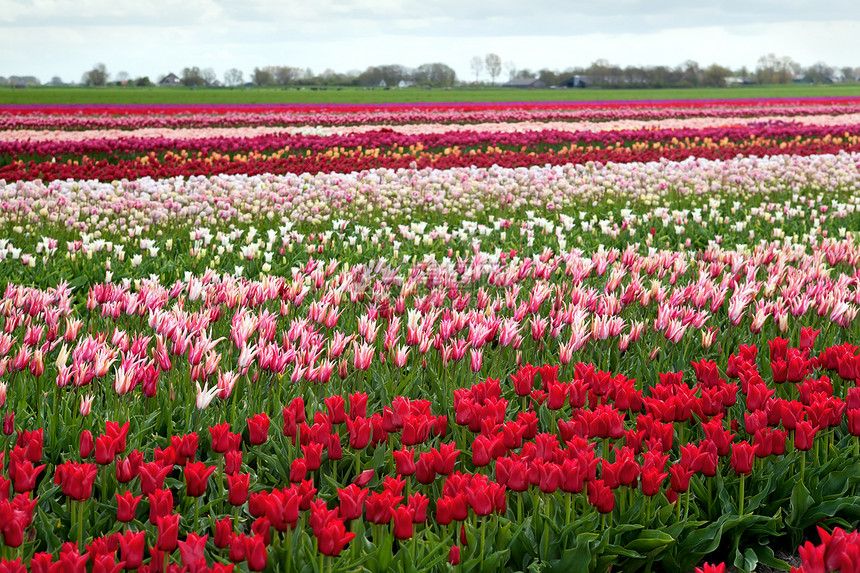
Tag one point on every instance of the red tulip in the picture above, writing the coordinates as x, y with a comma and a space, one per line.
255, 553
298, 470
404, 460
192, 550
709, 568
360, 432
233, 462
804, 435
358, 405
418, 503
152, 477
333, 538
600, 496
168, 532
196, 478
77, 479
160, 504
105, 448
402, 522
336, 407
258, 429
454, 555
25, 476
131, 545
126, 506
742, 458
237, 486
223, 440
352, 500
223, 532
652, 479
86, 444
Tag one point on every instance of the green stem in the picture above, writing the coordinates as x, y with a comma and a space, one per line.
741, 497
80, 527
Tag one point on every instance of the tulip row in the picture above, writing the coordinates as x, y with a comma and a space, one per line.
209, 133
134, 158
136, 117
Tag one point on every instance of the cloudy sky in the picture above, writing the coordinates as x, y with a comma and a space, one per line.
65, 38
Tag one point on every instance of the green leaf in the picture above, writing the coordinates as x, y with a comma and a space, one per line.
650, 540
798, 505
765, 557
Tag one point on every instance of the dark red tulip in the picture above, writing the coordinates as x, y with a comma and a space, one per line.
126, 505
223, 532
196, 478
152, 476
160, 504
600, 496
132, 544
168, 532
86, 444
742, 458
333, 538
352, 500
237, 488
258, 429
402, 522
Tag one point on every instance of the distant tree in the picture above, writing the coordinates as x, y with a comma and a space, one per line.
493, 64
524, 74
715, 76
511, 68
819, 73
97, 76
192, 77
122, 77
56, 81
477, 65
143, 82
262, 77
690, 73
233, 77
772, 70
850, 74
437, 74
549, 77
209, 76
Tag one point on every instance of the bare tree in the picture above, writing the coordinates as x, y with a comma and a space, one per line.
233, 77
494, 66
512, 69
122, 77
772, 70
209, 76
477, 65
97, 76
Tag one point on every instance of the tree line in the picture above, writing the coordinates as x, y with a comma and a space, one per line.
769, 69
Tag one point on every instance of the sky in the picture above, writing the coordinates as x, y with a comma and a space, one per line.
65, 38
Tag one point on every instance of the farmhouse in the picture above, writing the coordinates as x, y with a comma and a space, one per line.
170, 80
577, 82
525, 83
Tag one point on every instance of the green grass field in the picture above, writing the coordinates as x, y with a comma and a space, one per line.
130, 95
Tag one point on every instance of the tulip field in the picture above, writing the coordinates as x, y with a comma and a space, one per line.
586, 336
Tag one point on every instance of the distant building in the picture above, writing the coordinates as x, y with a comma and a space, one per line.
742, 81
577, 82
170, 80
525, 84
406, 84
23, 81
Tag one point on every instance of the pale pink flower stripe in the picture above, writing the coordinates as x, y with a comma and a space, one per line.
419, 129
